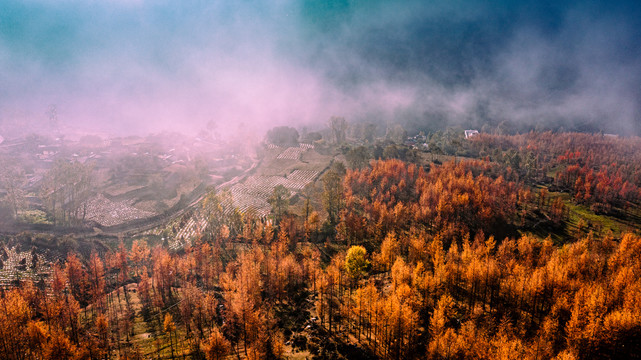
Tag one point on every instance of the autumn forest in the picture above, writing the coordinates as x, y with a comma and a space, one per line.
494, 247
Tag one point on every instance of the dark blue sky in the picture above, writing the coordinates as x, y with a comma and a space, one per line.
144, 65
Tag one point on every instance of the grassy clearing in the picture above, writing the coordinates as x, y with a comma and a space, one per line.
581, 217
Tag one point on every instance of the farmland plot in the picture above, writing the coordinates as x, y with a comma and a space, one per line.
245, 202
299, 178
291, 153
107, 213
20, 266
261, 186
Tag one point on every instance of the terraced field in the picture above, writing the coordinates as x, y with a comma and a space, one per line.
293, 168
254, 193
299, 166
299, 178
194, 226
292, 153
244, 201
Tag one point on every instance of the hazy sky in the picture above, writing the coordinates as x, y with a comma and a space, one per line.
148, 65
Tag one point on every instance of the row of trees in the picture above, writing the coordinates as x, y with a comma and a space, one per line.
13, 181
66, 189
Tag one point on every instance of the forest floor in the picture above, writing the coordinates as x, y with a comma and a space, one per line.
145, 332
144, 335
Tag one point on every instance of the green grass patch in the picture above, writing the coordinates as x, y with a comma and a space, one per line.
597, 223
553, 171
34, 217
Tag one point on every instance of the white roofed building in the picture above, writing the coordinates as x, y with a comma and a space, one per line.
471, 133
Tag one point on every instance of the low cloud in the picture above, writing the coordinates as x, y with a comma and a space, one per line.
147, 66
